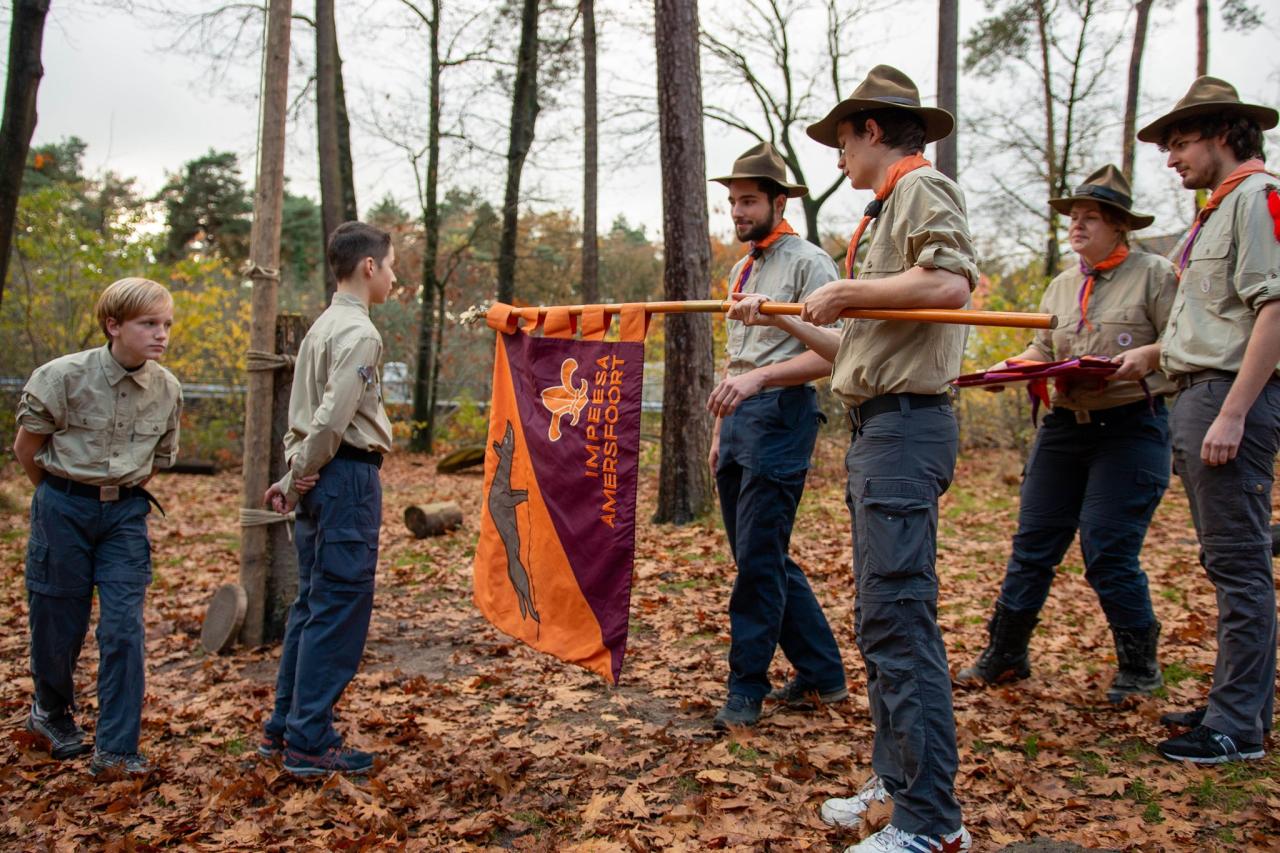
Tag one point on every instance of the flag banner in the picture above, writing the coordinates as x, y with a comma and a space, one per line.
557, 532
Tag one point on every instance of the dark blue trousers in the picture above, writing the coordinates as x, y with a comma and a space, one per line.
1105, 479
336, 534
77, 544
765, 447
899, 464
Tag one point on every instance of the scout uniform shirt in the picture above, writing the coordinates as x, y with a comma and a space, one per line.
1129, 308
787, 271
108, 426
923, 224
337, 393
1233, 270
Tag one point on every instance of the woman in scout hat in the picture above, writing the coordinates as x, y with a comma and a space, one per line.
1101, 459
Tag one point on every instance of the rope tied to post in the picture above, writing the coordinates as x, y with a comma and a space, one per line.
261, 517
255, 271
257, 360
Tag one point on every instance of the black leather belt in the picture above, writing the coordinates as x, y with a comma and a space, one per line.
1123, 412
355, 454
859, 415
1186, 380
106, 494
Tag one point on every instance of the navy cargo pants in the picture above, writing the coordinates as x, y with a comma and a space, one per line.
1231, 508
765, 447
336, 534
1106, 478
899, 464
79, 543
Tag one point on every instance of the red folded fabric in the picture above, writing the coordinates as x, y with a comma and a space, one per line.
1038, 373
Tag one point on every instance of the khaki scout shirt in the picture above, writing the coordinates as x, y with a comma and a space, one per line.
787, 271
337, 390
1129, 308
108, 426
1234, 269
923, 224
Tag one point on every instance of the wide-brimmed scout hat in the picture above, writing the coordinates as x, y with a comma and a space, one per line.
1206, 96
763, 163
885, 86
1107, 187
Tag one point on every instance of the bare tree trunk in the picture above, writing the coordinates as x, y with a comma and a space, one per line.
282, 572
524, 114
26, 35
1050, 135
948, 56
331, 191
1142, 10
684, 482
1202, 37
264, 256
590, 154
349, 209
424, 396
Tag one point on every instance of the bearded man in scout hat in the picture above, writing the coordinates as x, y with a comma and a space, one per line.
766, 424
1221, 348
894, 376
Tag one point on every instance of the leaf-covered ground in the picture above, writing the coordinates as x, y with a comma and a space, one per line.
488, 745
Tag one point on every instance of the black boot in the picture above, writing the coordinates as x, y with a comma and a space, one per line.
1005, 658
1139, 674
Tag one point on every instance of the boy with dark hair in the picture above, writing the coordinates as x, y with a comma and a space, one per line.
92, 429
766, 424
894, 377
338, 433
1222, 350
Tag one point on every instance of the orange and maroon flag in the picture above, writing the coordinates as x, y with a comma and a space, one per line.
557, 533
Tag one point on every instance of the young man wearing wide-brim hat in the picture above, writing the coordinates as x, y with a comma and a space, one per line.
1222, 350
1100, 463
766, 423
894, 377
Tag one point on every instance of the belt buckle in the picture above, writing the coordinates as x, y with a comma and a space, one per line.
109, 493
855, 417
1082, 416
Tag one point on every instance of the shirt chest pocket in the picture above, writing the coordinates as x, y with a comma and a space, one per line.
882, 260
88, 434
146, 435
1208, 273
1125, 328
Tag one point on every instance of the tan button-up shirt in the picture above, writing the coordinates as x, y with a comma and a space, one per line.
923, 224
1129, 308
337, 390
107, 426
787, 271
1234, 269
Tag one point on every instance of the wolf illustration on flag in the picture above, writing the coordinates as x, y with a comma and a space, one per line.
557, 537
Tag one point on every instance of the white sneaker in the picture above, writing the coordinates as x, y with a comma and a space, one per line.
894, 840
848, 812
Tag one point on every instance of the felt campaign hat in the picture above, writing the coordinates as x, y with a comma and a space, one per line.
763, 163
1108, 188
1208, 95
885, 87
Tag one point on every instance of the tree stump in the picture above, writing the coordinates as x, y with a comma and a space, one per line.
434, 519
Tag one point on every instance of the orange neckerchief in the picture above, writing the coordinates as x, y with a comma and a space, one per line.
1110, 262
1244, 170
757, 249
891, 178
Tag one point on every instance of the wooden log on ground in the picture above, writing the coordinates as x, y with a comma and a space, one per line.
461, 459
192, 466
223, 618
434, 519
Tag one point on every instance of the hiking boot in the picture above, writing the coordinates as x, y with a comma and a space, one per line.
1185, 719
894, 840
1005, 658
119, 764
66, 739
335, 759
848, 812
270, 745
1139, 674
1203, 745
738, 710
797, 694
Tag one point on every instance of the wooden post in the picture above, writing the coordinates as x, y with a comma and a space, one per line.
282, 570
264, 256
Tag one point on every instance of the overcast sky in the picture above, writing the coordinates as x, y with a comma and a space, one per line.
144, 109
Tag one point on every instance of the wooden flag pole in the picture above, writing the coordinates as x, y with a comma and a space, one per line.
960, 316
